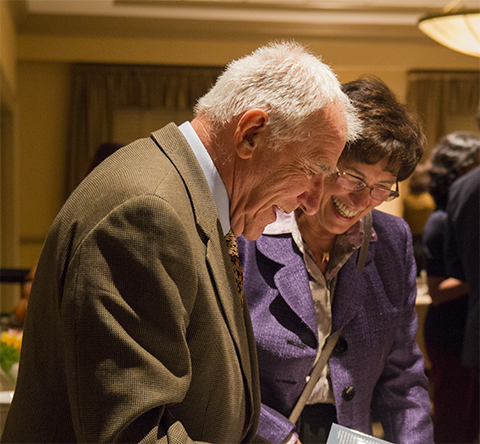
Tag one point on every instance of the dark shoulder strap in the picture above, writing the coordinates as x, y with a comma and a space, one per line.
367, 235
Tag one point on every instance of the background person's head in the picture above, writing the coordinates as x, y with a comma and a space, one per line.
420, 179
456, 154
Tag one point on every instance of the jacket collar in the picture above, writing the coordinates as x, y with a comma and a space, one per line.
291, 278
171, 141
212, 176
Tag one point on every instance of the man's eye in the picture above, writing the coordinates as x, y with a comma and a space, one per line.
312, 171
324, 169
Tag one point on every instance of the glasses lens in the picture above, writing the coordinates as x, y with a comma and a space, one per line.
380, 194
349, 183
383, 194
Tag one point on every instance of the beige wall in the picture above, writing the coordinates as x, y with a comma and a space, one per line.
9, 230
8, 48
342, 54
43, 118
43, 83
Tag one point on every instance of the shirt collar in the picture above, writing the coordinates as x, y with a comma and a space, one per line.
282, 225
345, 244
215, 182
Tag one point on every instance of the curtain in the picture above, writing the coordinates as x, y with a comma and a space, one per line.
439, 97
98, 90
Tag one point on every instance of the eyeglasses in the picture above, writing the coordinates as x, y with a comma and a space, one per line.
350, 182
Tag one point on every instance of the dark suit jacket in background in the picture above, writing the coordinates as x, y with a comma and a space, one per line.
462, 253
134, 331
380, 367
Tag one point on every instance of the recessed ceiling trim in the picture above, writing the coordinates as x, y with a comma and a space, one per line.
107, 8
246, 19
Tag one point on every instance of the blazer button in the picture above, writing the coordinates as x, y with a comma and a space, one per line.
341, 347
348, 393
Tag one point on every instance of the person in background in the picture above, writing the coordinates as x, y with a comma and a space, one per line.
455, 384
136, 328
21, 307
418, 204
462, 254
302, 285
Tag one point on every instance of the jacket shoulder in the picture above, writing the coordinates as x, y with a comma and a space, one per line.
387, 224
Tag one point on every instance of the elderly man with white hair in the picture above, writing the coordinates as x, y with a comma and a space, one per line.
137, 330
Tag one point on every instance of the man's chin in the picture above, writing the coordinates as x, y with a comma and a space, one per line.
253, 234
255, 230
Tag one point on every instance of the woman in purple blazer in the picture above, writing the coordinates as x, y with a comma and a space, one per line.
302, 284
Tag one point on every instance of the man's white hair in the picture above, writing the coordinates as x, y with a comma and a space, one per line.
284, 80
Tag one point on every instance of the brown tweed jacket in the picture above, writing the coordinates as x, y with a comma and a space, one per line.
134, 331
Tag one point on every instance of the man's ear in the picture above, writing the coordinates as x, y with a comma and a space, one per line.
251, 132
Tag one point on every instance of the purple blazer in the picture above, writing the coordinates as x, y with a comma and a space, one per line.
377, 368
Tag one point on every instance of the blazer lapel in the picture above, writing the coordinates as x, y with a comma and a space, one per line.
173, 144
171, 141
291, 278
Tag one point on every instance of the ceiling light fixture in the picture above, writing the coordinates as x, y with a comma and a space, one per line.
458, 30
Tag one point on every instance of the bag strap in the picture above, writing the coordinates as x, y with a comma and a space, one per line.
315, 375
367, 235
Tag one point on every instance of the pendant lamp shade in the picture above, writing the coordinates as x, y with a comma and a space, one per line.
459, 31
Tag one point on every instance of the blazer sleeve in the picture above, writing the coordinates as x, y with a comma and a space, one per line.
403, 381
127, 358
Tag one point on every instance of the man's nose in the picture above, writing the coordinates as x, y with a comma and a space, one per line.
310, 199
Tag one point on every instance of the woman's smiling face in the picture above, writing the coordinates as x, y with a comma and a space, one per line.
340, 208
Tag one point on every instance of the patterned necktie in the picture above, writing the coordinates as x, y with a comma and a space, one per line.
237, 266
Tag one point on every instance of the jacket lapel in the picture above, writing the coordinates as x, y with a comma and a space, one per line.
173, 144
291, 278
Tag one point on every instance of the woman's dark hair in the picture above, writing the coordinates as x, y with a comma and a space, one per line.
454, 155
391, 132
